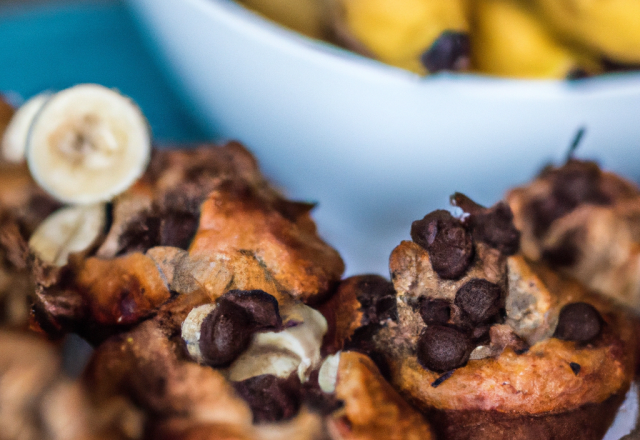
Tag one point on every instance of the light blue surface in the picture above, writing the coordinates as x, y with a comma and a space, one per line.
54, 47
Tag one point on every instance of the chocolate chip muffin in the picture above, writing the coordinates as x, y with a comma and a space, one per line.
248, 366
584, 222
492, 346
200, 220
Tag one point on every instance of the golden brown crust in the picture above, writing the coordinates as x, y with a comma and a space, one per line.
538, 381
292, 253
372, 408
202, 220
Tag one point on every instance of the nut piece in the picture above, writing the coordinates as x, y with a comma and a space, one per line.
191, 329
88, 144
297, 347
67, 231
14, 141
529, 303
328, 374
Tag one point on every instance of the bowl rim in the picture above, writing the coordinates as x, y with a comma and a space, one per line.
269, 33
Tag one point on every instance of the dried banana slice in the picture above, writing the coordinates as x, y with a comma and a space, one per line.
66, 231
14, 141
88, 144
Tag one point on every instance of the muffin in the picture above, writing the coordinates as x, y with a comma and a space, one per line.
492, 346
584, 222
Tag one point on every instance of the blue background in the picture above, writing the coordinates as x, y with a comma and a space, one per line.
54, 46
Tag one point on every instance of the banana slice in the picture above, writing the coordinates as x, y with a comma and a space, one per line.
14, 141
66, 231
88, 144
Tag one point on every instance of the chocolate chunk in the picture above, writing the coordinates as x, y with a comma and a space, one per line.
443, 348
140, 235
224, 334
177, 229
575, 367
271, 398
377, 299
495, 227
450, 51
449, 244
261, 307
479, 300
579, 322
436, 383
435, 311
566, 252
575, 183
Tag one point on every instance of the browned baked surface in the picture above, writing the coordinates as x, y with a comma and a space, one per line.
201, 220
589, 422
372, 408
583, 222
538, 381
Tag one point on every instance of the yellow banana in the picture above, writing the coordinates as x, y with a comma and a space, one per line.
611, 28
308, 17
507, 40
398, 32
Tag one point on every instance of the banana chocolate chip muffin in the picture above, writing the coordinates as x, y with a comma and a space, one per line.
491, 346
584, 222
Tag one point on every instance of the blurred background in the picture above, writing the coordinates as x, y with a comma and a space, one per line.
376, 146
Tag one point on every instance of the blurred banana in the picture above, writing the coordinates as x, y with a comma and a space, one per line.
507, 40
399, 32
308, 17
609, 28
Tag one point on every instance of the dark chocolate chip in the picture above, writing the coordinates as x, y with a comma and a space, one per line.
435, 311
579, 322
271, 398
481, 335
443, 348
566, 252
495, 227
261, 307
377, 299
224, 334
141, 234
575, 367
575, 183
177, 229
436, 383
523, 350
579, 182
450, 51
479, 300
448, 243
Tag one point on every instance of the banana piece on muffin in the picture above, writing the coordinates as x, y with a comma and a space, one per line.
248, 366
583, 221
491, 346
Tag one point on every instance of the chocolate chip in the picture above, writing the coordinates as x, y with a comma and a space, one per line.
573, 184
448, 243
566, 251
479, 300
261, 307
450, 51
436, 383
443, 348
495, 227
575, 368
177, 229
224, 334
579, 322
377, 299
435, 311
271, 398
